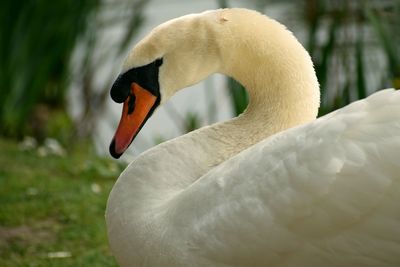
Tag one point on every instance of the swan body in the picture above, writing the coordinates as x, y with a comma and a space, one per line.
272, 187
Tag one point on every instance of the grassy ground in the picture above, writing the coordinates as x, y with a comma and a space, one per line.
52, 208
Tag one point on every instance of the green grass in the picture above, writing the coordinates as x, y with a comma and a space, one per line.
50, 204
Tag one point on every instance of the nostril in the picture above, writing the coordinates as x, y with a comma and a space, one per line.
131, 103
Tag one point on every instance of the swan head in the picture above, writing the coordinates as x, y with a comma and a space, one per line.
240, 43
174, 55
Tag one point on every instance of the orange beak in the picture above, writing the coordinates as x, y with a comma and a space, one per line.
136, 110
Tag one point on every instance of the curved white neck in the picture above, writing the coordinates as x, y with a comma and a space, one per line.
169, 168
283, 89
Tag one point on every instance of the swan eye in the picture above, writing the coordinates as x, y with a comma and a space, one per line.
146, 76
159, 62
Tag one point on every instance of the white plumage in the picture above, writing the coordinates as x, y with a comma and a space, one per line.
325, 193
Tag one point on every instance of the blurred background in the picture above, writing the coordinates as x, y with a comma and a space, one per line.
58, 60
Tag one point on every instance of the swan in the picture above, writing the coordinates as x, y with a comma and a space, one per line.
272, 187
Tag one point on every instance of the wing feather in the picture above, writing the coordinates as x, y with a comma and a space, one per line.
326, 193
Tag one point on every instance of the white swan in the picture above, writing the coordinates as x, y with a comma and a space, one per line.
326, 193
